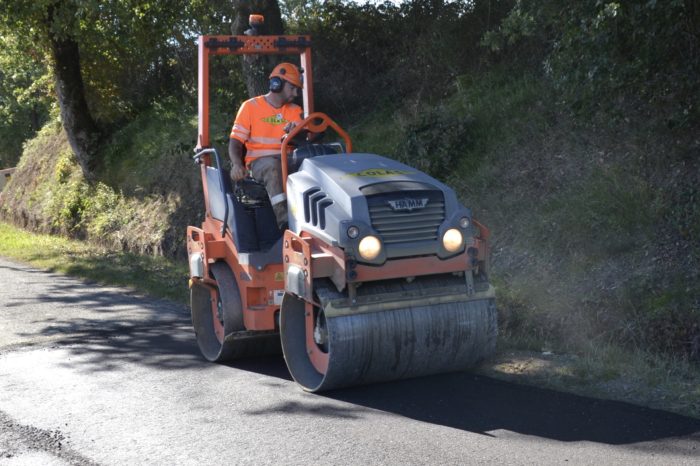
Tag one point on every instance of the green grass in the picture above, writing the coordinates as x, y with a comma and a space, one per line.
616, 209
504, 109
156, 276
639, 376
134, 156
379, 132
49, 189
603, 371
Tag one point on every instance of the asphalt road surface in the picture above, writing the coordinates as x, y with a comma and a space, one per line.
99, 375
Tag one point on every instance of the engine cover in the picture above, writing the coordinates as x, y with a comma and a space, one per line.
407, 209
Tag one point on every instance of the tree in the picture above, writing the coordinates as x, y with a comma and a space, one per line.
255, 66
52, 25
81, 129
110, 59
25, 97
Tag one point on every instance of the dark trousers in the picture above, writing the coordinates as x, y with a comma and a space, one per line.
268, 171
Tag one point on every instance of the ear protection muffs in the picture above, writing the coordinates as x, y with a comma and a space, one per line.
276, 84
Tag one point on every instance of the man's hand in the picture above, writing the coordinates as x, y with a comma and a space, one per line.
238, 172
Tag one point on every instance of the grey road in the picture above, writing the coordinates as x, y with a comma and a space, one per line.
99, 375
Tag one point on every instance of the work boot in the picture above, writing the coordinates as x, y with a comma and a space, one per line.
280, 210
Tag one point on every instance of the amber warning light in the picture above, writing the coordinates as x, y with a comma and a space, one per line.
256, 20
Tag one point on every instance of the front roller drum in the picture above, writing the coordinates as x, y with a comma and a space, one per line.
326, 353
217, 318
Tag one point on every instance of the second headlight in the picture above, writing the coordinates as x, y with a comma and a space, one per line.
452, 240
369, 247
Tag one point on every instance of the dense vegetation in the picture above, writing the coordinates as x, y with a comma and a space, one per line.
571, 129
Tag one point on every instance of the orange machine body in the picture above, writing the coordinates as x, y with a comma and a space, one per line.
261, 289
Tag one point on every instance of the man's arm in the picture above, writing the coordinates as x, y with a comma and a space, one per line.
235, 153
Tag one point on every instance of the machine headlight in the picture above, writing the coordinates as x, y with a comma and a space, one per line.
464, 222
353, 232
370, 247
452, 240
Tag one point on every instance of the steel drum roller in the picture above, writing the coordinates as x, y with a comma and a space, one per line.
416, 340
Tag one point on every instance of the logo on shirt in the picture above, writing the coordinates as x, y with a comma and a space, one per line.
275, 120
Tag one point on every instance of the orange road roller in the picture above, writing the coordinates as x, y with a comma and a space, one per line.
381, 274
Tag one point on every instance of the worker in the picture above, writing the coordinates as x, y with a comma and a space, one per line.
260, 125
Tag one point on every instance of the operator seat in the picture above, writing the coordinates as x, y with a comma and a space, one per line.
251, 219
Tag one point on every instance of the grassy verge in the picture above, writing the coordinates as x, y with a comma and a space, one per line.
156, 276
605, 371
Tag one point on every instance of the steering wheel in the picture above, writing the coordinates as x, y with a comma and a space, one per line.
316, 122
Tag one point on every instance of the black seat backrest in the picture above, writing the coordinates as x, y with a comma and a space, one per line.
251, 220
253, 195
241, 226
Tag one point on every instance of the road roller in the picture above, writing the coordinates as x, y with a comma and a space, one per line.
382, 274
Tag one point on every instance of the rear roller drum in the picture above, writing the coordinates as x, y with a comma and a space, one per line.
325, 352
217, 318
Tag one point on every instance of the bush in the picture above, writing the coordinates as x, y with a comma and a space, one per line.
434, 143
368, 57
603, 213
49, 194
663, 315
600, 54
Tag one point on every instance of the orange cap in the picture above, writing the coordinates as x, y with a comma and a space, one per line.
289, 72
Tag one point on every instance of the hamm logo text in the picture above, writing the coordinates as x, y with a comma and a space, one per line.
408, 204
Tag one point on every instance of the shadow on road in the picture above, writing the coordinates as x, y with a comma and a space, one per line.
108, 327
160, 345
480, 404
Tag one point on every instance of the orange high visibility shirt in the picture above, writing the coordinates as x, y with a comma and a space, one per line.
260, 126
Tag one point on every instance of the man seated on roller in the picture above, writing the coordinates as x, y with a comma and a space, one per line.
260, 124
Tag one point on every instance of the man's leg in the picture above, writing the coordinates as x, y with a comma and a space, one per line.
269, 171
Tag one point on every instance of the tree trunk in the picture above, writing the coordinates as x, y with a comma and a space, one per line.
256, 68
81, 129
